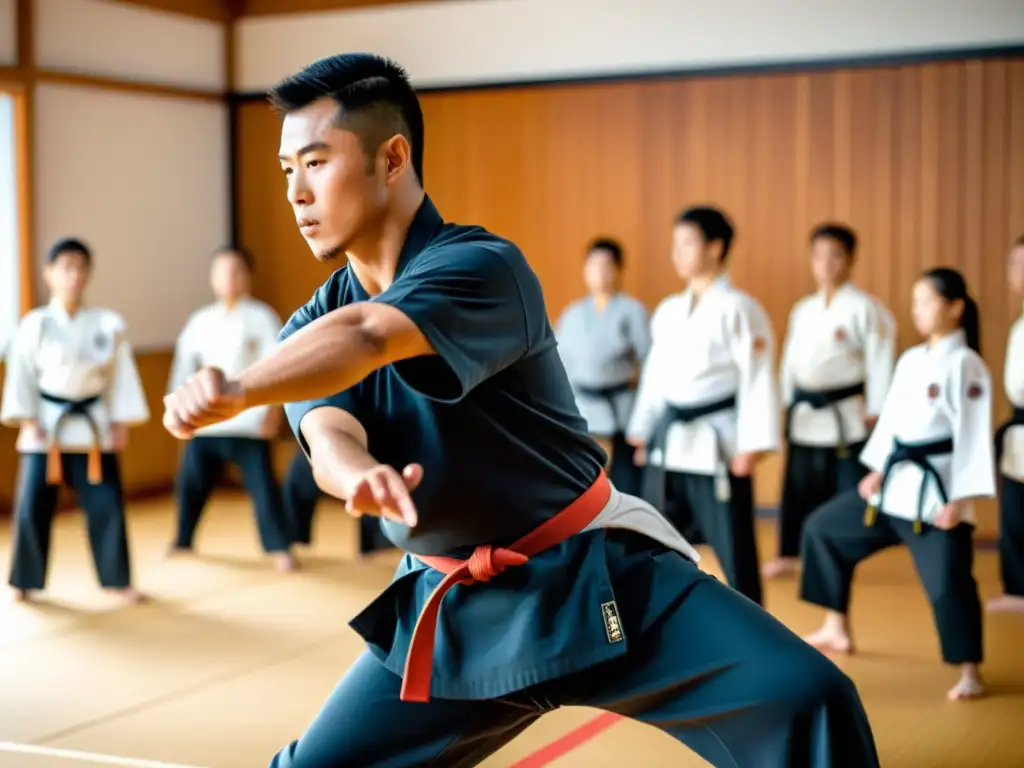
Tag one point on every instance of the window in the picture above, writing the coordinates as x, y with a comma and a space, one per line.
10, 271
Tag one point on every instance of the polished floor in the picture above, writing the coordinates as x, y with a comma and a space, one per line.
230, 659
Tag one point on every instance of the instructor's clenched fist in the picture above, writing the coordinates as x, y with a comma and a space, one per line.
208, 397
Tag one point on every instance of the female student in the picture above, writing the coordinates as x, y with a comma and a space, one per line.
929, 456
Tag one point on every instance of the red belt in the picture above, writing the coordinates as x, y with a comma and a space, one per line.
484, 563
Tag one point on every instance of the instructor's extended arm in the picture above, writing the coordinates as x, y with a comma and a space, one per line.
331, 354
344, 468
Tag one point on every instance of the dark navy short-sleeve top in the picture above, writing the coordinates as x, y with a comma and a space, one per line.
491, 417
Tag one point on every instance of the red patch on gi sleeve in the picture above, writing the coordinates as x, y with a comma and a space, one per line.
760, 344
933, 391
974, 391
840, 335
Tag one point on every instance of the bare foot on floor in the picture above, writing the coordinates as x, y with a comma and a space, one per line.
784, 566
1006, 604
22, 595
285, 562
130, 595
830, 639
969, 686
176, 549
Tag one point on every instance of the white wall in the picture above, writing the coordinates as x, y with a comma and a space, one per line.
10, 256
8, 33
486, 41
99, 37
144, 180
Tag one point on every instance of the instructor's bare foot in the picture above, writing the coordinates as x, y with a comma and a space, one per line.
22, 595
285, 562
969, 686
833, 636
783, 566
177, 549
1006, 604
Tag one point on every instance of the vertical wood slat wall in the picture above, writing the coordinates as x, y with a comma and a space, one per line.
926, 161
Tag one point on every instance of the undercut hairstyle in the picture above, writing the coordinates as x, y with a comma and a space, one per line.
841, 234
375, 100
69, 245
240, 253
608, 245
713, 225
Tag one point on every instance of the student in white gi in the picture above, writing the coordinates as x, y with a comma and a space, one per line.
1009, 448
603, 340
232, 333
72, 389
708, 405
837, 363
930, 455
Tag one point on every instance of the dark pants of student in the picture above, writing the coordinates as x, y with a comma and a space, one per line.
813, 476
727, 526
301, 495
1011, 536
836, 540
202, 466
104, 512
715, 671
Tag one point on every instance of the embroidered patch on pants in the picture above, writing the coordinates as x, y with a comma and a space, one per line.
612, 627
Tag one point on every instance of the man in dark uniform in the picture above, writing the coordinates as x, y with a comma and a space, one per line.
423, 381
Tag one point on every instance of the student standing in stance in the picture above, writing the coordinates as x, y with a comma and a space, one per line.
231, 334
603, 340
837, 363
708, 405
424, 382
73, 389
301, 496
930, 455
1009, 448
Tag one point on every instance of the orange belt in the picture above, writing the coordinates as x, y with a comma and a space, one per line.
485, 563
54, 465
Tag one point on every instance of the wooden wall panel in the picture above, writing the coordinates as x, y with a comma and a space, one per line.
926, 161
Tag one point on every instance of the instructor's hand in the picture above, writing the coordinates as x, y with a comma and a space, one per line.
382, 492
208, 397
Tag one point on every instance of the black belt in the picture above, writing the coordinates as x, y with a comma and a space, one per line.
69, 407
608, 394
1016, 420
683, 414
824, 398
915, 453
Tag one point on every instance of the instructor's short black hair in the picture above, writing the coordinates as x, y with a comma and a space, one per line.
69, 245
375, 99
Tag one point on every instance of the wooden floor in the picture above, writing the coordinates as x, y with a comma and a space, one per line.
231, 660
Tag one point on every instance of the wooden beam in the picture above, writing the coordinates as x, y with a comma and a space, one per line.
275, 7
212, 10
24, 138
115, 84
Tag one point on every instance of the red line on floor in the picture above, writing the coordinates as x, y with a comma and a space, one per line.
568, 741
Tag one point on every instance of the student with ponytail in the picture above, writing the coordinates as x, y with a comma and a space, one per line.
929, 457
